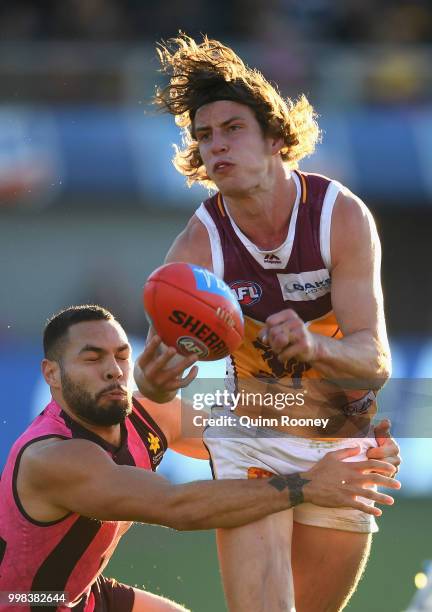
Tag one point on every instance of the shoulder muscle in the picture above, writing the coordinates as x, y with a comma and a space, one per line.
192, 245
353, 231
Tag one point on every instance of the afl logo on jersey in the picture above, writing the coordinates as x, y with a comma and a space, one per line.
247, 292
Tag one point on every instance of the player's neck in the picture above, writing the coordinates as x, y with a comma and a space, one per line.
264, 214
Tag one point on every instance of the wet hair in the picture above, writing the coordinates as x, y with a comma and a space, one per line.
200, 73
57, 326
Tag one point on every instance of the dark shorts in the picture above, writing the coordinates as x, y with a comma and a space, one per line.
108, 595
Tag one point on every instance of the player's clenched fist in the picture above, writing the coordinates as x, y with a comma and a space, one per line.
288, 337
159, 371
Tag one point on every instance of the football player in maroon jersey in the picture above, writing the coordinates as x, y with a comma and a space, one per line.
303, 256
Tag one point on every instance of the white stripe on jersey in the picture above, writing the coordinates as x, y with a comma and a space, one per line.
325, 223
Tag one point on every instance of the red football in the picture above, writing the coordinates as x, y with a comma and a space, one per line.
194, 311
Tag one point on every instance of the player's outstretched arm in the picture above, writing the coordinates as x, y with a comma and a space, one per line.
78, 476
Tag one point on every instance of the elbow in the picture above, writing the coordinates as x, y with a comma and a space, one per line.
182, 519
385, 373
385, 365
180, 525
179, 522
174, 512
381, 369
183, 513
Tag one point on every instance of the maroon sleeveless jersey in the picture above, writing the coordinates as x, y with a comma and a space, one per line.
68, 554
295, 275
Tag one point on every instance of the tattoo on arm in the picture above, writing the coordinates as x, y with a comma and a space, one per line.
294, 483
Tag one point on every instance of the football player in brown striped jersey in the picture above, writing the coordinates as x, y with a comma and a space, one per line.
83, 470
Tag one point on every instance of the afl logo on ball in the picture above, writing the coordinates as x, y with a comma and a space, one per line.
247, 292
193, 346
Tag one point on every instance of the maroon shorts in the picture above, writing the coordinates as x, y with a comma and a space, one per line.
108, 595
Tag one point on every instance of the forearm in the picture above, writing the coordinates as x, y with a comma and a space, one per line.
202, 504
111, 492
229, 503
358, 356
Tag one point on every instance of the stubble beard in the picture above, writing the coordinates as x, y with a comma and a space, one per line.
87, 406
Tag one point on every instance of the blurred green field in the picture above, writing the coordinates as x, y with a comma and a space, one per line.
184, 565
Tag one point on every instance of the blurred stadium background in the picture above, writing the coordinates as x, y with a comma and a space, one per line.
89, 203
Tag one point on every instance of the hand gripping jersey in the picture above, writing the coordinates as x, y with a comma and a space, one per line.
68, 554
295, 275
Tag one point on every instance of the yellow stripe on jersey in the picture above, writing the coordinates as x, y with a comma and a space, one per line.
220, 204
326, 326
303, 186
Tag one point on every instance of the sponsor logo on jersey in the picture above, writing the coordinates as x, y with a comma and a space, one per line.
361, 405
271, 258
246, 292
193, 346
305, 286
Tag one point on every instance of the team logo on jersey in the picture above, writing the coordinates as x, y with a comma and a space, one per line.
305, 286
246, 292
271, 258
292, 368
193, 346
154, 443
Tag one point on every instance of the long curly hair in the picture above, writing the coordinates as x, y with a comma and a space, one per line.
204, 72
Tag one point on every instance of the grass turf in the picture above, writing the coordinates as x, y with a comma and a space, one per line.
184, 566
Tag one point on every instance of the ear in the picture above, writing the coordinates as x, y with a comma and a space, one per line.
276, 145
51, 373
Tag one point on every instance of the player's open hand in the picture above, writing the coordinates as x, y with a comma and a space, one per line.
288, 336
337, 483
159, 371
388, 449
